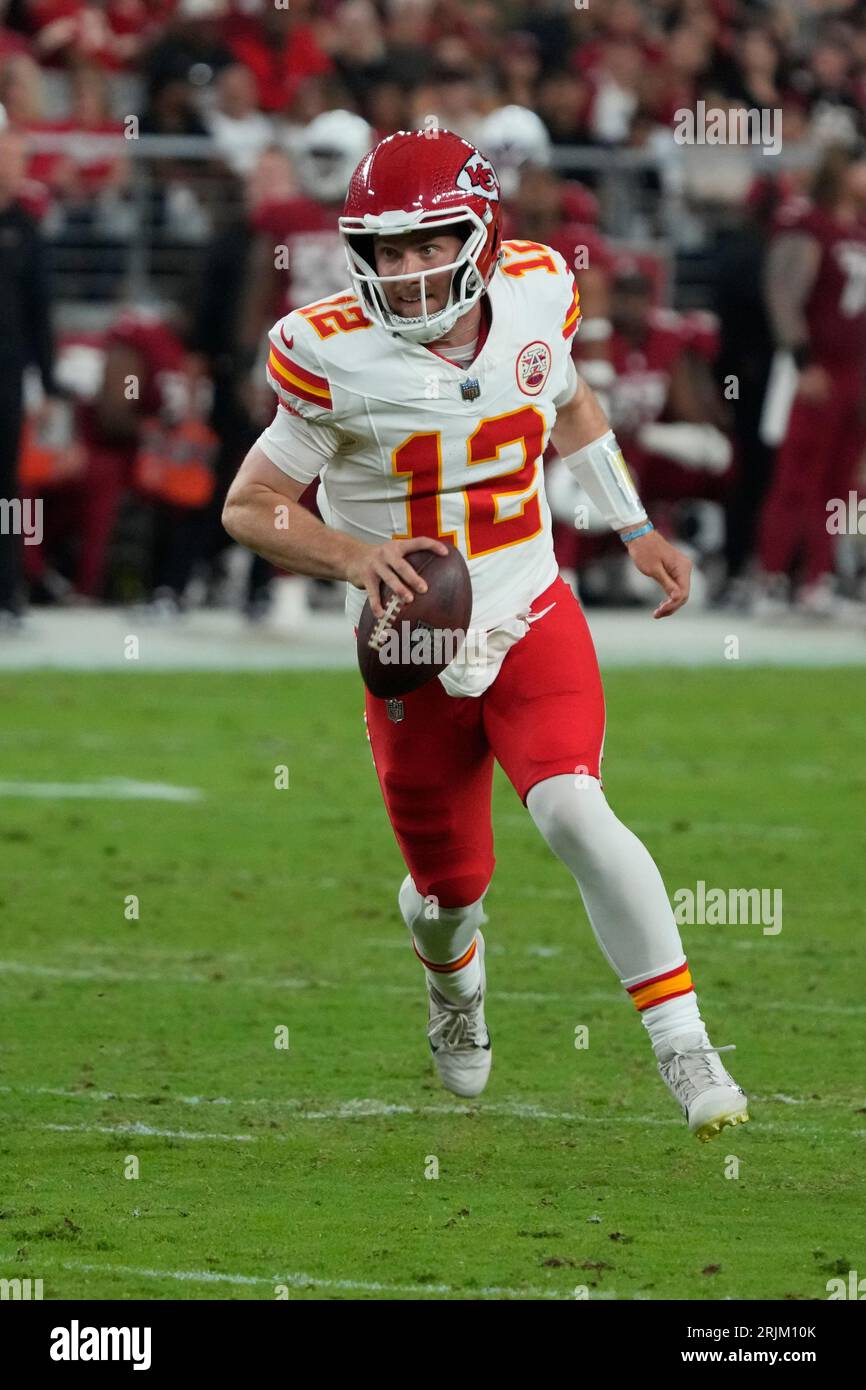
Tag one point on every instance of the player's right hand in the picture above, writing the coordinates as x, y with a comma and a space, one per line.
387, 561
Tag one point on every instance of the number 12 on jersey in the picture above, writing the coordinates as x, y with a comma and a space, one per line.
419, 458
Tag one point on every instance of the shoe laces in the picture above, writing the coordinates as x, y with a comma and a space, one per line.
458, 1026
693, 1065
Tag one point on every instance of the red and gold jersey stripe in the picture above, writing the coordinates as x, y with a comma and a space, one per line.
297, 381
661, 987
572, 318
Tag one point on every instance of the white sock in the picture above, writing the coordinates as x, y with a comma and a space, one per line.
445, 941
664, 1022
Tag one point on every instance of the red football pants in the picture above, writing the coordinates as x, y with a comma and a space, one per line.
817, 461
542, 716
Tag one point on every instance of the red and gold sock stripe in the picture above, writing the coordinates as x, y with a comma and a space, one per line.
661, 988
450, 966
297, 381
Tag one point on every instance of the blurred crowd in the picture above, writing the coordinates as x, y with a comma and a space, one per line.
595, 73
132, 428
248, 73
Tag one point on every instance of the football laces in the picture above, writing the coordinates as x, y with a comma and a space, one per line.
377, 636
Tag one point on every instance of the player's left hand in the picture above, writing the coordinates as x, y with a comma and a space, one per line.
657, 558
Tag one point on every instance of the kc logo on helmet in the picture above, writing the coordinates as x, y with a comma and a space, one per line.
478, 176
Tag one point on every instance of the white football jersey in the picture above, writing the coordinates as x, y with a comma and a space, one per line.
409, 444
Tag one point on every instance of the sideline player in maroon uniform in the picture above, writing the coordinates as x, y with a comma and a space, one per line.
816, 291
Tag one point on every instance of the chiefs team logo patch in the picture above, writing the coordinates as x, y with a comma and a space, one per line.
533, 368
479, 177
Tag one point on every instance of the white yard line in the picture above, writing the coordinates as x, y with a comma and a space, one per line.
109, 975
109, 789
295, 1280
350, 1107
136, 1129
376, 1109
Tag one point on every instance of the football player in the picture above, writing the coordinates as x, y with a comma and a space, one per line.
816, 297
424, 398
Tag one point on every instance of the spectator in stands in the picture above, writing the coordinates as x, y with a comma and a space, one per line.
11, 41
71, 32
687, 57
359, 52
827, 84
519, 69
280, 50
387, 108
240, 130
564, 100
451, 99
190, 48
408, 34
172, 109
25, 338
755, 80
82, 180
617, 89
551, 25
177, 195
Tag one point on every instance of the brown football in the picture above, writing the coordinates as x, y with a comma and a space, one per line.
413, 642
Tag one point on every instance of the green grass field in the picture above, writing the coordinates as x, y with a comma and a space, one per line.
261, 908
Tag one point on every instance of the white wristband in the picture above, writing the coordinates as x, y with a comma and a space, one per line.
601, 470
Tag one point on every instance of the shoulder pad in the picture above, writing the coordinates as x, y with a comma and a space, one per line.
549, 271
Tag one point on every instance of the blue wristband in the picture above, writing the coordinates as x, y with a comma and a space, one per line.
627, 536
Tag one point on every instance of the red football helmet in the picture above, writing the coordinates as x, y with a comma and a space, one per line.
423, 179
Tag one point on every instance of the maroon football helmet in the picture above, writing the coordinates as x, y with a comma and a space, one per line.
423, 179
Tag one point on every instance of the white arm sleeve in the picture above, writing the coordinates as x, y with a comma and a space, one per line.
297, 447
601, 470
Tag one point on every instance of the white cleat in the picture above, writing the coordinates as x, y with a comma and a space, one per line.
459, 1039
695, 1077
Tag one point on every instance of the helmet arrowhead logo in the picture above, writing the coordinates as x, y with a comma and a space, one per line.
478, 176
